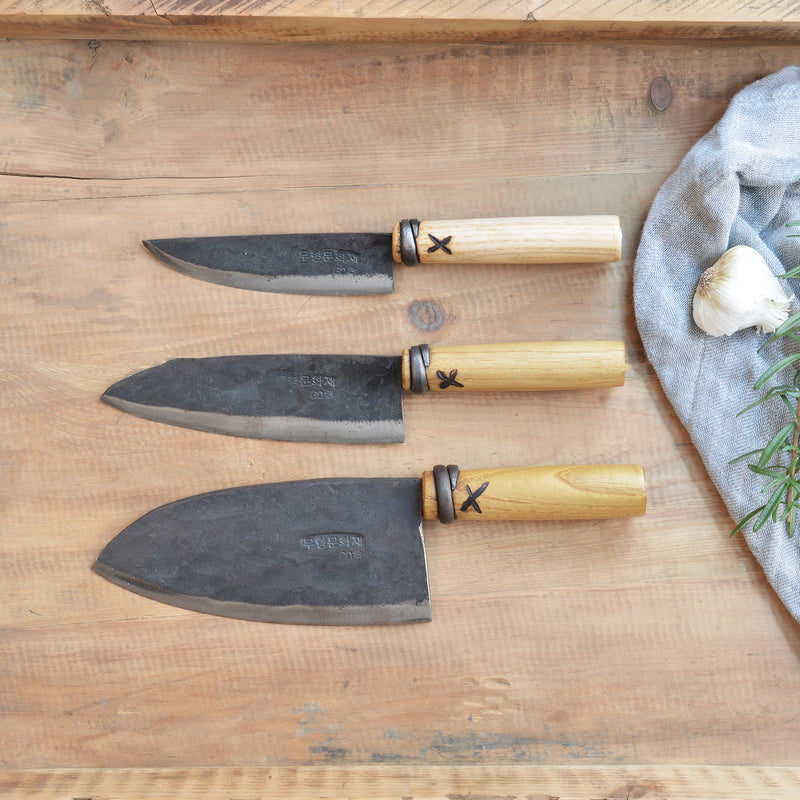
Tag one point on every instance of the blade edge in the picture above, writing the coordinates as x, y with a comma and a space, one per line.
398, 613
283, 428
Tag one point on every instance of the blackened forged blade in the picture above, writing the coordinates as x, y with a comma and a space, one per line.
342, 551
313, 263
320, 398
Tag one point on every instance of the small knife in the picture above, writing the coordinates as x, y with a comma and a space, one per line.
363, 263
340, 551
347, 398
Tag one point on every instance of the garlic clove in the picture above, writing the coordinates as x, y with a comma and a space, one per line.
739, 291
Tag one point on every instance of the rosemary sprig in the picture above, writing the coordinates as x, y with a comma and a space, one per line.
779, 460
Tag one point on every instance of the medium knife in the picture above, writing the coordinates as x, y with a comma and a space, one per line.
363, 263
340, 551
349, 398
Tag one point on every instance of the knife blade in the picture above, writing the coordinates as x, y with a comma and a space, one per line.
351, 398
363, 263
340, 551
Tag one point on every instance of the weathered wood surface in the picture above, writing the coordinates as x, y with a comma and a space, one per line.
501, 782
597, 646
380, 20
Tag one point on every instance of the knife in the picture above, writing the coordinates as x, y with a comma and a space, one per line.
350, 398
363, 263
340, 551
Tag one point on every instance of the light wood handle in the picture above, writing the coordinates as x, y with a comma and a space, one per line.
546, 493
511, 240
522, 367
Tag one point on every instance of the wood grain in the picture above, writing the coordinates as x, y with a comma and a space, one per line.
521, 367
410, 20
537, 782
573, 492
517, 240
560, 653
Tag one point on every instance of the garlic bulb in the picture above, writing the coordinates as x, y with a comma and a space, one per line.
737, 292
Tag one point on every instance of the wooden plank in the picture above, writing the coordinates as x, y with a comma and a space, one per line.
537, 782
648, 641
366, 115
381, 20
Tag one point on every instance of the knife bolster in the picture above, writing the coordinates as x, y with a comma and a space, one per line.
415, 363
445, 480
404, 242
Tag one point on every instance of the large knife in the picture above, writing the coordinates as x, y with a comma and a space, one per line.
347, 551
346, 398
363, 263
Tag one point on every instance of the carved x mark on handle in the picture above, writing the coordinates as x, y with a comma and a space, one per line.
448, 380
440, 244
472, 500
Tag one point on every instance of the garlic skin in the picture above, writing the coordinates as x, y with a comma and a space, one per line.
737, 292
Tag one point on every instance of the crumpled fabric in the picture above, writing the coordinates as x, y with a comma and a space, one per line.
739, 184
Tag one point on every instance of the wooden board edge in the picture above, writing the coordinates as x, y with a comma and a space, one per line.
567, 782
273, 29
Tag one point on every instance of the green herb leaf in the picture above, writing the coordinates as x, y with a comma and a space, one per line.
744, 456
747, 519
767, 472
779, 392
774, 443
788, 325
769, 511
786, 361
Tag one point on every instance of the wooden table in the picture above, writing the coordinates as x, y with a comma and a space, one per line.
646, 658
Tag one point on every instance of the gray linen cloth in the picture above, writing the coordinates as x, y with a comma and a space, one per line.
740, 184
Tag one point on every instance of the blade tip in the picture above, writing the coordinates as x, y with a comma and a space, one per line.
101, 568
156, 248
109, 398
151, 247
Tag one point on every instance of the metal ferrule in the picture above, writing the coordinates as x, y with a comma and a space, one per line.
419, 359
409, 230
445, 480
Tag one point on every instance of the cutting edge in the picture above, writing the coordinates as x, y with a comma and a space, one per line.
279, 428
397, 613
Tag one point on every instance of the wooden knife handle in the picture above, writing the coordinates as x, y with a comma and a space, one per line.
517, 367
546, 493
509, 240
